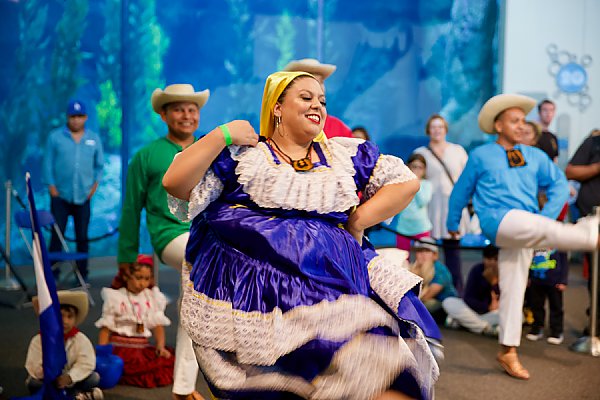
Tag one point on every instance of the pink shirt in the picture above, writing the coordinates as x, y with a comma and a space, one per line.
335, 127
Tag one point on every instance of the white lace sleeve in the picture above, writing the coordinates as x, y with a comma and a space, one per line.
156, 314
110, 308
206, 191
389, 170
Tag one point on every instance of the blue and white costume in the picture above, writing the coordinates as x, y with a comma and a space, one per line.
505, 200
279, 298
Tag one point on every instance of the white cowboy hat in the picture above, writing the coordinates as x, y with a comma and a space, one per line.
75, 298
311, 66
494, 106
176, 93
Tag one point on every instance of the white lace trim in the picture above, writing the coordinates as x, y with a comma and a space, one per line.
272, 185
361, 369
262, 338
365, 367
254, 341
207, 190
390, 280
387, 171
224, 372
323, 190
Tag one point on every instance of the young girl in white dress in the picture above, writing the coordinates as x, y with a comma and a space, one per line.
130, 316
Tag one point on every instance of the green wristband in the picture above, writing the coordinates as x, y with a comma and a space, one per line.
226, 134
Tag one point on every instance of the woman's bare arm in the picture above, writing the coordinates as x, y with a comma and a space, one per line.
582, 173
104, 336
189, 167
387, 202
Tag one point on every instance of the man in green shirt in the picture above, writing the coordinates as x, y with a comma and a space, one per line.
179, 107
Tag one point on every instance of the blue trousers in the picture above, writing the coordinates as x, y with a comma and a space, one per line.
86, 385
61, 210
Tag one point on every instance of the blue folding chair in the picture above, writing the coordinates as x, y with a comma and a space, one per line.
46, 220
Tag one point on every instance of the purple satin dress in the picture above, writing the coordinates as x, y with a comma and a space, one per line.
282, 302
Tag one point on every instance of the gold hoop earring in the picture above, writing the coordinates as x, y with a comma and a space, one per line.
278, 126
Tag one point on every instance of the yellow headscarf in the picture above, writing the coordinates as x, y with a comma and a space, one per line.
275, 85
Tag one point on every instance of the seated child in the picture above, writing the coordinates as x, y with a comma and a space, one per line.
130, 315
79, 378
413, 222
437, 280
478, 312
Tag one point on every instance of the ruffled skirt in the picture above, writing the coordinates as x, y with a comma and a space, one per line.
142, 366
289, 306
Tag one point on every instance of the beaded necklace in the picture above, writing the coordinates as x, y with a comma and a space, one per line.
139, 326
300, 165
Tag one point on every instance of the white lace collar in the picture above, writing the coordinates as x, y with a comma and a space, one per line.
327, 188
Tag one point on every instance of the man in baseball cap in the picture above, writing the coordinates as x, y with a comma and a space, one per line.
72, 170
76, 107
503, 178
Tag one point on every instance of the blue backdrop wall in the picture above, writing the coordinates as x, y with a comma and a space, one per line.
398, 62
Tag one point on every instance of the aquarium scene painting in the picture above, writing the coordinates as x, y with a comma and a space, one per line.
397, 62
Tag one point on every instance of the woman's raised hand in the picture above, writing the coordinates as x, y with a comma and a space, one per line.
242, 133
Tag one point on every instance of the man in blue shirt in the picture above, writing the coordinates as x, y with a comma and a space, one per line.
503, 178
72, 169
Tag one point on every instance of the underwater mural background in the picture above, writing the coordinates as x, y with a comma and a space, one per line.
397, 63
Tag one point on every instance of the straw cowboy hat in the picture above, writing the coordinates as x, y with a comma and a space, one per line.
494, 106
75, 298
176, 93
311, 66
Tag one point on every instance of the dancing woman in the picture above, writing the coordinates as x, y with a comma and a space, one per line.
282, 297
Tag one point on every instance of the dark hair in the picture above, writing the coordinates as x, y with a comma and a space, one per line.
69, 307
490, 251
418, 157
430, 120
282, 95
362, 129
545, 101
166, 106
500, 114
536, 129
134, 267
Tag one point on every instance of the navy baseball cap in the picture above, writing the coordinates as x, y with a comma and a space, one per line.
76, 107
